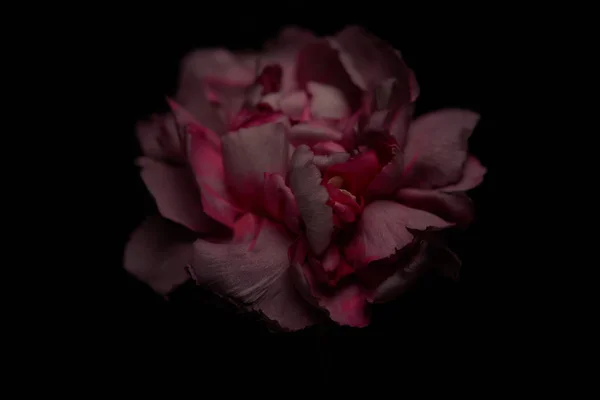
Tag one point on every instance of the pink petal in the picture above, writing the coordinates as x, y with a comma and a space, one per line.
212, 86
258, 278
207, 164
158, 252
161, 139
218, 64
192, 93
188, 123
284, 51
388, 178
369, 60
327, 101
346, 306
293, 104
176, 193
319, 62
280, 203
473, 173
437, 148
311, 197
248, 154
384, 229
314, 132
328, 147
452, 207
428, 257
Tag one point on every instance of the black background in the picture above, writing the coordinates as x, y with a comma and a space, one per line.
457, 64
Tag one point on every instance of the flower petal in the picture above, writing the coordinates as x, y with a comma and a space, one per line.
294, 104
207, 164
176, 193
473, 173
429, 256
347, 305
161, 139
280, 203
452, 207
212, 86
384, 229
284, 51
314, 132
311, 197
436, 149
327, 101
248, 154
319, 62
369, 60
158, 252
256, 277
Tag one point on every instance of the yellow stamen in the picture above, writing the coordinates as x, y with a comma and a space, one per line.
336, 182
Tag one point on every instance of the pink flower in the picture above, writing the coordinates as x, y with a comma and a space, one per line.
296, 183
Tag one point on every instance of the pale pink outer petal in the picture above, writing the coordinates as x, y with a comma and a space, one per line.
473, 173
250, 153
368, 59
219, 63
437, 148
311, 196
448, 202
176, 193
161, 139
256, 275
158, 252
208, 71
384, 229
452, 207
429, 256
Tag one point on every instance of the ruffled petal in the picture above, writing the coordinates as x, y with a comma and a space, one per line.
255, 275
452, 207
250, 153
346, 306
384, 229
473, 173
176, 193
158, 252
428, 257
436, 149
369, 60
311, 197
448, 202
161, 139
